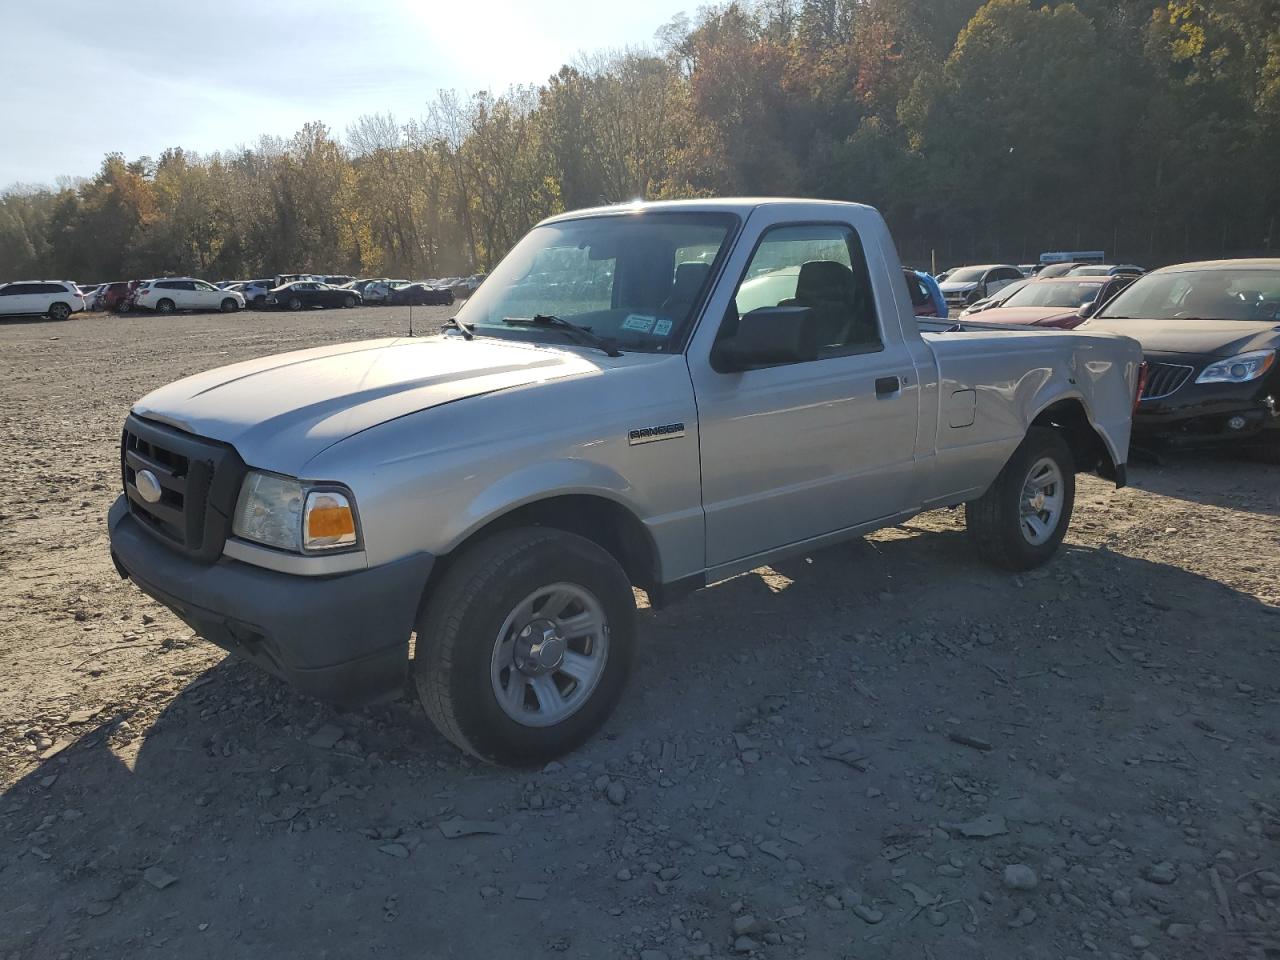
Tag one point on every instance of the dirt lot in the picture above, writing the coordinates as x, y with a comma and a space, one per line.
881, 751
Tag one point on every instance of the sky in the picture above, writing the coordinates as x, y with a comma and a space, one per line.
81, 78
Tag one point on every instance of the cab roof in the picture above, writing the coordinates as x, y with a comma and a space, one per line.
741, 206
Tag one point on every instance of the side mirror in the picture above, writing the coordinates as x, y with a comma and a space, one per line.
767, 337
1085, 310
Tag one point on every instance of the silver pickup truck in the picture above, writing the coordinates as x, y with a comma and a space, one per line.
656, 396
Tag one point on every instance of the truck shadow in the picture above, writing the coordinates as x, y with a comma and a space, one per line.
283, 825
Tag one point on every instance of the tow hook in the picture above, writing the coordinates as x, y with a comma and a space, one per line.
1270, 404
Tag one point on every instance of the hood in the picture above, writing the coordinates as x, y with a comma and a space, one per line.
1027, 315
1216, 338
280, 411
949, 286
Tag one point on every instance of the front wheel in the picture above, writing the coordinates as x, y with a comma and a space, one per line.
1021, 519
349, 302
525, 645
229, 305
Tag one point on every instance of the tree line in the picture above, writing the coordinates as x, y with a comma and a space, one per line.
989, 131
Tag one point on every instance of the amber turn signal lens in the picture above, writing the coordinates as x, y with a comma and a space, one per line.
328, 521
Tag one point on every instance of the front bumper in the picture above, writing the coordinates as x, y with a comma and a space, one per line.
342, 638
1210, 414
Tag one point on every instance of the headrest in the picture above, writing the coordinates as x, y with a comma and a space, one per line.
690, 277
824, 280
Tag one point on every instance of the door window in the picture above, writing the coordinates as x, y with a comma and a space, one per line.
820, 266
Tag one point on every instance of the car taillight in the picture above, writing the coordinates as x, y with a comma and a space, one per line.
1142, 384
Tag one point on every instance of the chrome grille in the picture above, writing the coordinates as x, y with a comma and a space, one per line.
1164, 379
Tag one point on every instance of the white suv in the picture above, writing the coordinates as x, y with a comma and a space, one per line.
186, 293
56, 299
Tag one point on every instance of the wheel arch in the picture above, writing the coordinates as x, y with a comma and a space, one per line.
1089, 446
602, 519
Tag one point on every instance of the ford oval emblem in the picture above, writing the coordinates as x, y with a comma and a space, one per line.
148, 486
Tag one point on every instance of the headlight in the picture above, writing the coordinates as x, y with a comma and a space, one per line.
1239, 369
283, 513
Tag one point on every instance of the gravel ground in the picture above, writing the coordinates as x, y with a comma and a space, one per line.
884, 750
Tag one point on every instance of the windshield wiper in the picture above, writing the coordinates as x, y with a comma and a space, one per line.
453, 323
581, 334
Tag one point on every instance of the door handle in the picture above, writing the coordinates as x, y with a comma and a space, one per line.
887, 386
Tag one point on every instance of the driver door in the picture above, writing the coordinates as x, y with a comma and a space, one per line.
797, 450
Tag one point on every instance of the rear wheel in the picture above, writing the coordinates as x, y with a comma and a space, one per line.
59, 311
229, 305
525, 645
295, 303
164, 306
1020, 521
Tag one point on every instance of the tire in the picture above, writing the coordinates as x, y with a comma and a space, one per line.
229, 305
260, 301
475, 615
59, 311
123, 307
996, 519
295, 303
164, 306
349, 302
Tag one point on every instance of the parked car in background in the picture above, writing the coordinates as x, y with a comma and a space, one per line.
968, 284
185, 293
55, 299
926, 295
227, 284
379, 291
255, 291
89, 294
467, 285
1028, 269
1064, 302
1105, 270
338, 280
305, 294
1049, 271
1210, 332
113, 295
997, 298
420, 294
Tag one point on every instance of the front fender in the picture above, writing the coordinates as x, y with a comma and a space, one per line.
541, 481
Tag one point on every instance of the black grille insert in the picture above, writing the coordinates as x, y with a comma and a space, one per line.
198, 482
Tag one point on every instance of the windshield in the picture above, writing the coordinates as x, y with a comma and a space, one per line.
636, 278
1217, 294
1055, 294
966, 275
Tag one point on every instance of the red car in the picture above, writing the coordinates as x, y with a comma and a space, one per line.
1063, 302
113, 296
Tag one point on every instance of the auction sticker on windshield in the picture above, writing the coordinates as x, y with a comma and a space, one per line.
639, 323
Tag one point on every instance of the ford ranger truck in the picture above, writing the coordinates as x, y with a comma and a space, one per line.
654, 396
